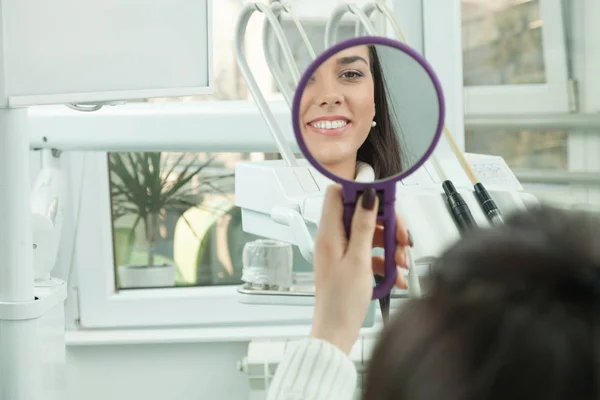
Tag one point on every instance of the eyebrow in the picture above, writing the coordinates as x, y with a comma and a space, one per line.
350, 60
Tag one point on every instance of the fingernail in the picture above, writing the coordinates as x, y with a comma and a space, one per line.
410, 238
368, 200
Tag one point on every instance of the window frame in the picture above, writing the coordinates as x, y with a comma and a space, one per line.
552, 97
96, 304
590, 94
100, 306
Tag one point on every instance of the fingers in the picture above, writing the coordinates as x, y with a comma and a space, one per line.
331, 226
402, 236
379, 269
363, 226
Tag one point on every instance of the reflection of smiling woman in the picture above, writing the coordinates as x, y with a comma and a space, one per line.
345, 117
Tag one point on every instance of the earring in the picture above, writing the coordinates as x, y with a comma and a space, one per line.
373, 124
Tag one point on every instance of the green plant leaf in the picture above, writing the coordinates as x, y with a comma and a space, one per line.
175, 165
127, 177
184, 178
133, 228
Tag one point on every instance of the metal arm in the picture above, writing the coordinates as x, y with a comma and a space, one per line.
370, 8
246, 14
336, 17
278, 74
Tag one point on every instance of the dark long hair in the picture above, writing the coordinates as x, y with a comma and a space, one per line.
381, 149
512, 313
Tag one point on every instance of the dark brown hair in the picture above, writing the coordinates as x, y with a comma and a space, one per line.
511, 313
381, 150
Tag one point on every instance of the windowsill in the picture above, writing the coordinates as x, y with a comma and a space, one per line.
78, 338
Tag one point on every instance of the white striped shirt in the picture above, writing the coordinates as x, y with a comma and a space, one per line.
314, 370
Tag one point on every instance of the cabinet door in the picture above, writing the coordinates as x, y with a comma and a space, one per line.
66, 51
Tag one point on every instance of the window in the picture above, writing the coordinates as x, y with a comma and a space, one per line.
515, 62
503, 44
515, 57
193, 236
178, 225
505, 57
522, 149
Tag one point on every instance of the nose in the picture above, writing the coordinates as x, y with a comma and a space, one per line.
330, 99
328, 96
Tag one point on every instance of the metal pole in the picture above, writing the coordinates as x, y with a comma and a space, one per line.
19, 341
244, 18
16, 253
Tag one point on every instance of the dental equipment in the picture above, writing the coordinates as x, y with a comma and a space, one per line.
433, 227
259, 99
483, 197
369, 9
486, 201
458, 207
272, 63
336, 17
47, 197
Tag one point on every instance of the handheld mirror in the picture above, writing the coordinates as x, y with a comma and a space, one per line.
367, 113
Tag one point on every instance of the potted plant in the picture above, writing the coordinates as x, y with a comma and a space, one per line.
144, 187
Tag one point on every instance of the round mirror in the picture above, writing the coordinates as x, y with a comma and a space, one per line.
367, 113
369, 109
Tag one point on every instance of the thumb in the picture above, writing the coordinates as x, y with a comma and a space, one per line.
363, 227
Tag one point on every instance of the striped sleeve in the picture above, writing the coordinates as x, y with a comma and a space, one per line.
314, 370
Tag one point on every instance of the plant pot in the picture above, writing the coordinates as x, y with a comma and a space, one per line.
144, 276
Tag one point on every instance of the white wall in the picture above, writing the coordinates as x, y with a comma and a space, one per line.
157, 372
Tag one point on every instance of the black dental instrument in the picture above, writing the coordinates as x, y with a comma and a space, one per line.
458, 206
485, 200
488, 205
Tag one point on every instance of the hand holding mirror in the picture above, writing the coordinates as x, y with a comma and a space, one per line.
367, 113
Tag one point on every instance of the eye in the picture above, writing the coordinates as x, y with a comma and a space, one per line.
352, 75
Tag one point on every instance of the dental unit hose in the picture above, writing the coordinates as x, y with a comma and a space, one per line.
488, 205
458, 206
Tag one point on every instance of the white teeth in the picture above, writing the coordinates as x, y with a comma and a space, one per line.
329, 124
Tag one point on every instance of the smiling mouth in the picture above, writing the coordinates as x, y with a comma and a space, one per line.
334, 127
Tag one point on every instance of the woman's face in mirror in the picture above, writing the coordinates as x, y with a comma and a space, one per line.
338, 107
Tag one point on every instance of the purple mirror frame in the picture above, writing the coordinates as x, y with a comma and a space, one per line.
385, 187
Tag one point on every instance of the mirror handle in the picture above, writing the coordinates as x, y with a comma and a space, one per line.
388, 217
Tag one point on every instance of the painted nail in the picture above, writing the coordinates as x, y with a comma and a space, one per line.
368, 200
410, 239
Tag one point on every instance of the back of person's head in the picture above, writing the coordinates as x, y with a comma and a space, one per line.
511, 313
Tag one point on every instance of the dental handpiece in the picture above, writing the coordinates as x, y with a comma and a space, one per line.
458, 206
488, 205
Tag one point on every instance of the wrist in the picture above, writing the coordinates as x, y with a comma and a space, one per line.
338, 337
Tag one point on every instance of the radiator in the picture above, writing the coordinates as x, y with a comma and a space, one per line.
264, 356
